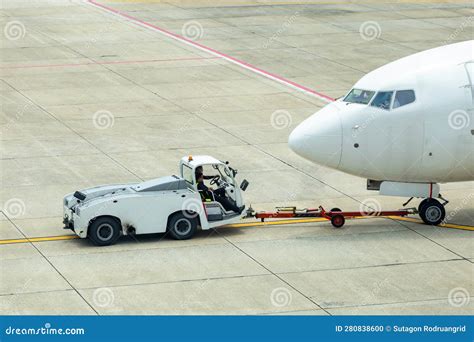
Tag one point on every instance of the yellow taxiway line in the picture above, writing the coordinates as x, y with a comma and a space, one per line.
38, 239
270, 223
443, 225
320, 219
250, 224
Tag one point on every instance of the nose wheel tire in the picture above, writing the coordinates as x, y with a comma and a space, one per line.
431, 211
104, 231
422, 203
181, 226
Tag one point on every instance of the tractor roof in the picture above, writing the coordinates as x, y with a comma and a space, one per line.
200, 160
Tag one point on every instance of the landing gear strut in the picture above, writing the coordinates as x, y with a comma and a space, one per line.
431, 211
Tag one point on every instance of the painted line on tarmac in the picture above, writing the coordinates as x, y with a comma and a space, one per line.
270, 223
39, 239
443, 225
268, 3
65, 65
250, 224
214, 52
237, 225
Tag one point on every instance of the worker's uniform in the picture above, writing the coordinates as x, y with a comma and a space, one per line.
204, 191
217, 192
206, 196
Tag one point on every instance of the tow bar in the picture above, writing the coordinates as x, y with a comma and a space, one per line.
335, 215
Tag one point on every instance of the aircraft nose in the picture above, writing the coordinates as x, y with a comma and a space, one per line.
319, 138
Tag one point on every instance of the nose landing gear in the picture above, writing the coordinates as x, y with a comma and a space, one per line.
431, 211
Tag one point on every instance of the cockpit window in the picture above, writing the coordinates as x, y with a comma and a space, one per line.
403, 97
359, 96
382, 100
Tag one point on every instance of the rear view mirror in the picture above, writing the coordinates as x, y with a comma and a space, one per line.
244, 185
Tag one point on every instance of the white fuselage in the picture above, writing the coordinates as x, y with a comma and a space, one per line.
424, 132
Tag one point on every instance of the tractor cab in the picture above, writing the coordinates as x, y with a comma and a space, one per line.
224, 200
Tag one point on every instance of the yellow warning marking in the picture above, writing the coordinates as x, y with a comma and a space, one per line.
269, 223
250, 224
39, 239
443, 225
293, 221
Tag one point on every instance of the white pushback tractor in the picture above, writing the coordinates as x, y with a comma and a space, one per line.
170, 204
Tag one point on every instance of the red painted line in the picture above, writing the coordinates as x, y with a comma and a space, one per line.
214, 52
104, 63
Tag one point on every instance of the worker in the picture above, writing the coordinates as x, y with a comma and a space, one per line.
199, 170
204, 191
219, 191
208, 194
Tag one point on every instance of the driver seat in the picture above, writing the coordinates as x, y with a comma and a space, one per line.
215, 211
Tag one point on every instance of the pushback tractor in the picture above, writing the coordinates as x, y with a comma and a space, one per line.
175, 205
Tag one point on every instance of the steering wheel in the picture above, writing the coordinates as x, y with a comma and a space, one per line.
215, 179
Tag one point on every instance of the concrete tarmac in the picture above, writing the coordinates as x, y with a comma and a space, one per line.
102, 92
